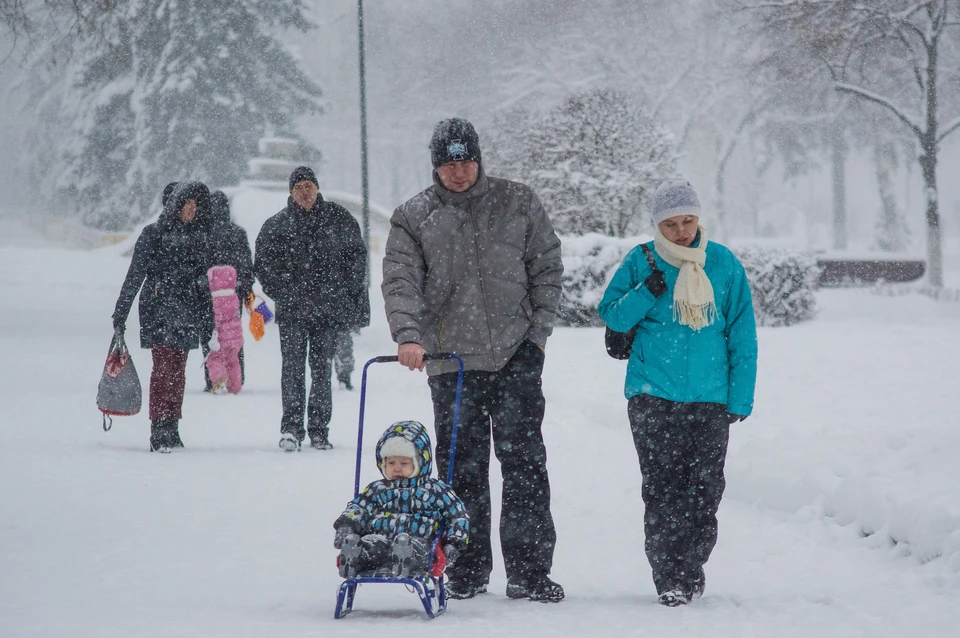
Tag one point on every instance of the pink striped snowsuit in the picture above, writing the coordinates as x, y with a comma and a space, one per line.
225, 363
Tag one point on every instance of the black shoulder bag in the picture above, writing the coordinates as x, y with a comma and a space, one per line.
619, 344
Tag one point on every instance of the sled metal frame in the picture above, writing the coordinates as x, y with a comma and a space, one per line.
429, 587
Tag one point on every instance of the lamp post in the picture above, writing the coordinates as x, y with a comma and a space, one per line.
364, 178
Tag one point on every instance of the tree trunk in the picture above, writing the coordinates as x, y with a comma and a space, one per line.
891, 230
839, 191
928, 164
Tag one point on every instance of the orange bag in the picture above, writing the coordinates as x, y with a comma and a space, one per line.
257, 324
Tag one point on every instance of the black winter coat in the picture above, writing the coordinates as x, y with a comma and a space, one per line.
312, 263
229, 244
170, 262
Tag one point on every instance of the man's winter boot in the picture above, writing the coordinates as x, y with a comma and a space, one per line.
538, 588
673, 598
320, 440
698, 585
349, 554
402, 555
459, 589
289, 443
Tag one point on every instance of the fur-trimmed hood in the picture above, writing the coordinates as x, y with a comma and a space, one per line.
416, 435
170, 216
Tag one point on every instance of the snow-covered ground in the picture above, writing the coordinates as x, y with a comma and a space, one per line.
841, 516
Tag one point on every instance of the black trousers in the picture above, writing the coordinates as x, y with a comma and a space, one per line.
509, 405
297, 339
343, 357
682, 449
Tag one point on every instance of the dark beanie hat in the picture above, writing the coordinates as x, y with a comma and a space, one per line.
454, 140
301, 174
167, 192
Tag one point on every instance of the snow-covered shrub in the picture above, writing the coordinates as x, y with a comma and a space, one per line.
782, 283
595, 160
589, 262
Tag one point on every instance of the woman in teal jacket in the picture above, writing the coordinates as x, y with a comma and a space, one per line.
691, 374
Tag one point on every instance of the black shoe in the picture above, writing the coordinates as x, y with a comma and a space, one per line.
538, 588
461, 589
673, 598
697, 586
164, 435
173, 432
346, 385
320, 440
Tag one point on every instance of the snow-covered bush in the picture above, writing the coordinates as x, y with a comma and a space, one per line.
595, 160
589, 262
782, 283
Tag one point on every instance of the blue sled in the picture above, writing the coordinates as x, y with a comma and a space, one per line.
430, 588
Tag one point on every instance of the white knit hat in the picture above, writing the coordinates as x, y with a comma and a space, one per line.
399, 446
673, 198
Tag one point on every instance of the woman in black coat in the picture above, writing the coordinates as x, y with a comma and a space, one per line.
170, 262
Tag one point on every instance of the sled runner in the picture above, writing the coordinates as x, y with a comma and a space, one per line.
429, 584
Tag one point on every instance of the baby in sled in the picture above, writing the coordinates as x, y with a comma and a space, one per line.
389, 528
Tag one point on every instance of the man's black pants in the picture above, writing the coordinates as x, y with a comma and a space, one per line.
682, 449
508, 404
296, 340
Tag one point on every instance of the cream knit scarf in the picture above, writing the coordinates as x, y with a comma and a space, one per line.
693, 302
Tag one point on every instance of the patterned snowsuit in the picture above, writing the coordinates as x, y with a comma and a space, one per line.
417, 506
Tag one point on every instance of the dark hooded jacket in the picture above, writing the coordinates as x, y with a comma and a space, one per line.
170, 262
417, 505
230, 245
313, 263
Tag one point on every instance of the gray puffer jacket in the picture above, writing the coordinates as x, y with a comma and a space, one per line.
474, 273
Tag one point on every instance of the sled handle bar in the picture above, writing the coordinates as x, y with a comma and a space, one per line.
436, 356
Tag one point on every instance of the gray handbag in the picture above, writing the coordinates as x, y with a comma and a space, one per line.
119, 393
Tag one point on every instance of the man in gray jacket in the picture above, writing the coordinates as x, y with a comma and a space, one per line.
472, 266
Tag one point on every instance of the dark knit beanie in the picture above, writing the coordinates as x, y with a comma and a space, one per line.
303, 173
454, 140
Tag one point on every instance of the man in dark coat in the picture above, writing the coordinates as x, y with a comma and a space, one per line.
229, 246
311, 259
472, 266
170, 262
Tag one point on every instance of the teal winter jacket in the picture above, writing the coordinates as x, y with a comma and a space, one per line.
717, 364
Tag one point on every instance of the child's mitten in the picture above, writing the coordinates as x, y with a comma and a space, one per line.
451, 553
214, 343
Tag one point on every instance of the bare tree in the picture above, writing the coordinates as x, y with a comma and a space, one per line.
895, 54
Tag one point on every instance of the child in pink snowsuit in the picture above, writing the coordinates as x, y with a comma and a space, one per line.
223, 362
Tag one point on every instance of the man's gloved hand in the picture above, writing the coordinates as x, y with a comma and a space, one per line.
342, 532
119, 325
733, 418
451, 553
655, 283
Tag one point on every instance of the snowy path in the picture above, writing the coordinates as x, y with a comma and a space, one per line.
855, 424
